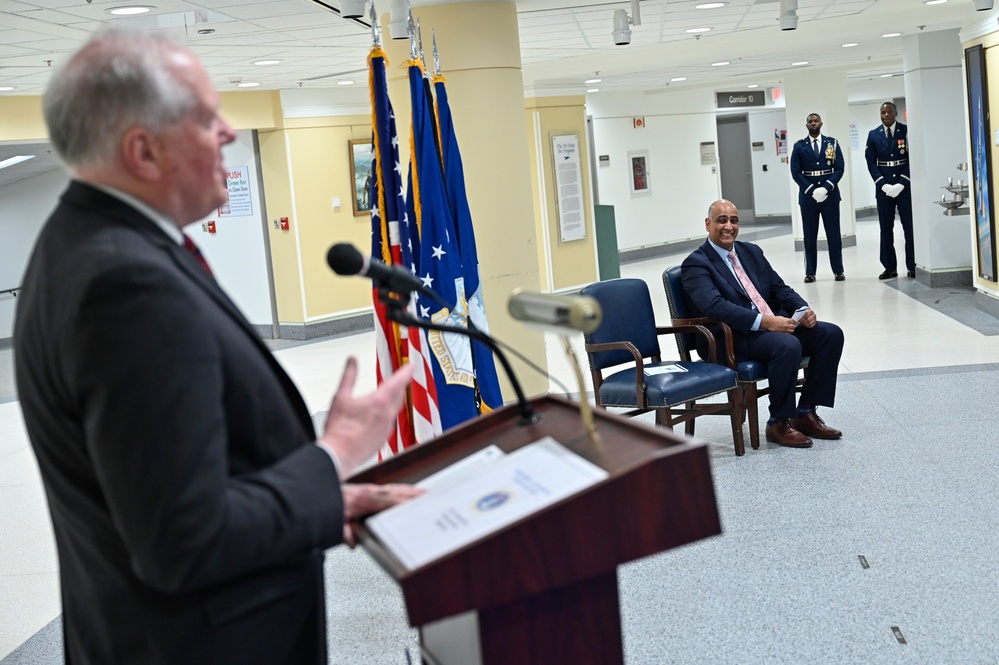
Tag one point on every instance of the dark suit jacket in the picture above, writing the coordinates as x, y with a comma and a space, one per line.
804, 159
713, 291
189, 503
880, 149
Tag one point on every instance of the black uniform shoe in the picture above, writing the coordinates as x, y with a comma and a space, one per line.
912, 274
888, 274
840, 277
809, 279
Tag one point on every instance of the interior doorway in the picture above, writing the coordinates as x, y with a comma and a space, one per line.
735, 163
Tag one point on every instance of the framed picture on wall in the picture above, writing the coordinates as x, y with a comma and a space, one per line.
638, 173
362, 178
981, 162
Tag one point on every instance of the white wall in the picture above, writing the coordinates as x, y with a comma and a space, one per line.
770, 188
24, 207
236, 253
681, 188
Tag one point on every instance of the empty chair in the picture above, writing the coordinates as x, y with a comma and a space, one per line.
629, 336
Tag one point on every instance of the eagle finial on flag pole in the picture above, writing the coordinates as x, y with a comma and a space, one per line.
376, 29
437, 56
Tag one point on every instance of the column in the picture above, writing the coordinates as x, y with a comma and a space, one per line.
934, 101
479, 47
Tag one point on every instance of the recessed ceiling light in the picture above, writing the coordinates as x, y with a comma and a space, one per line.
15, 160
849, 44
719, 64
130, 11
264, 63
247, 85
693, 31
592, 81
593, 90
886, 76
799, 63
709, 5
891, 34
753, 85
935, 2
6, 88
678, 78
345, 83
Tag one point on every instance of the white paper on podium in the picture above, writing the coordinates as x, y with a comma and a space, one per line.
509, 488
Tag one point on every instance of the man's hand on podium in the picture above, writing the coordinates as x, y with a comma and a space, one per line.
358, 426
360, 500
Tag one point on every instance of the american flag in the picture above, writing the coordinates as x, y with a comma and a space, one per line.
393, 240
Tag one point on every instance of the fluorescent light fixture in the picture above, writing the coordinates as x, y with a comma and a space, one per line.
849, 44
591, 81
15, 160
935, 2
720, 64
709, 5
753, 85
593, 90
345, 83
886, 76
247, 85
264, 63
694, 31
799, 63
130, 11
678, 79
891, 34
6, 88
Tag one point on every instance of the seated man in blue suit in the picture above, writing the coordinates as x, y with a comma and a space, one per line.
734, 283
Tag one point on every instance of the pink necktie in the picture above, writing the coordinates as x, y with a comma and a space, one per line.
193, 249
747, 284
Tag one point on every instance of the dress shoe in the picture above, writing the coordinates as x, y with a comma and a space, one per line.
911, 274
784, 434
809, 279
840, 277
812, 425
888, 274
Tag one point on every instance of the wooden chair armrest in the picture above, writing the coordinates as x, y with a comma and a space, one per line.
688, 328
639, 365
726, 334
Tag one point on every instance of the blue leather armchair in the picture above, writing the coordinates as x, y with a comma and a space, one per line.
629, 335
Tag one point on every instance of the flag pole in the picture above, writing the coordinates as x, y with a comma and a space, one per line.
437, 56
376, 29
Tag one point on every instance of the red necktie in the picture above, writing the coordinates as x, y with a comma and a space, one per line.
193, 249
747, 284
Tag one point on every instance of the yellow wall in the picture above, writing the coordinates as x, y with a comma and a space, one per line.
573, 264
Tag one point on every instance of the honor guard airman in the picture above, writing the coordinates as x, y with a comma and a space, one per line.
817, 167
888, 161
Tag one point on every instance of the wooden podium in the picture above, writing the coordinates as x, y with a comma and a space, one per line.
543, 590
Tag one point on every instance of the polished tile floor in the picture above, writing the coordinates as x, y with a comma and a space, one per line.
890, 332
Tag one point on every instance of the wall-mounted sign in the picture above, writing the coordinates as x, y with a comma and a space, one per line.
757, 145
568, 187
731, 100
239, 203
708, 155
604, 160
638, 123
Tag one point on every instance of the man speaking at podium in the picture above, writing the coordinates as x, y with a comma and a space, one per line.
190, 499
734, 283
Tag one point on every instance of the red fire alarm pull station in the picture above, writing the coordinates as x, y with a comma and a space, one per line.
284, 224
211, 226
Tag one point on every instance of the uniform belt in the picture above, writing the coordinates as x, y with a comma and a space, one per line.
897, 162
815, 173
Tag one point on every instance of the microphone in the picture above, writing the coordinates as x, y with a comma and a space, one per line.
550, 311
345, 259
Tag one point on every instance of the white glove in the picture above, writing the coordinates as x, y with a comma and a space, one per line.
820, 194
896, 189
887, 189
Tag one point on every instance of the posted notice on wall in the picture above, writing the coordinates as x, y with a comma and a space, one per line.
569, 187
239, 203
479, 498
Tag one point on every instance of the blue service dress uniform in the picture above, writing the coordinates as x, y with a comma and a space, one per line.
811, 169
888, 163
